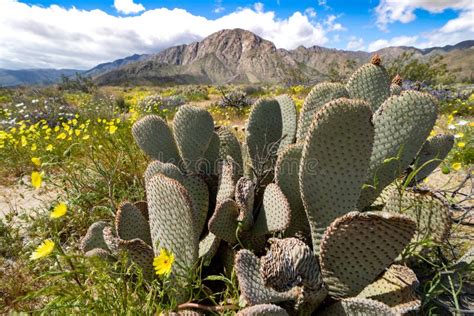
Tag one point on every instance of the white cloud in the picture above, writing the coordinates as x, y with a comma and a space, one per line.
396, 41
55, 37
128, 6
331, 25
258, 6
324, 4
390, 11
310, 12
355, 43
218, 7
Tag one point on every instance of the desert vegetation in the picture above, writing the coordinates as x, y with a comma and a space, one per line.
334, 198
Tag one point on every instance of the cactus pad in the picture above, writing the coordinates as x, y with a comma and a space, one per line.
193, 128
264, 131
396, 288
263, 310
230, 146
224, 223
429, 211
370, 83
140, 254
227, 180
98, 252
286, 177
402, 125
94, 237
358, 307
155, 138
167, 169
199, 194
208, 247
432, 153
130, 223
172, 221
211, 157
288, 114
275, 213
334, 162
142, 206
321, 94
251, 284
244, 197
351, 255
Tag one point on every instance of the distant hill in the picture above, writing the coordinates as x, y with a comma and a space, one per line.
9, 78
239, 56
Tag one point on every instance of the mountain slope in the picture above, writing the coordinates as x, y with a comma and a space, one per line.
239, 56
10, 78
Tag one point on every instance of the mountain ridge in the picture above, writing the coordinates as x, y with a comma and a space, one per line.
238, 56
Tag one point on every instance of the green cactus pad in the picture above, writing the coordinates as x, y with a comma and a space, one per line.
402, 125
357, 247
94, 237
199, 194
142, 206
140, 254
168, 169
230, 146
355, 306
264, 131
227, 179
433, 152
208, 247
251, 284
334, 162
289, 118
369, 83
172, 221
244, 197
274, 214
209, 165
395, 89
263, 310
286, 177
429, 211
321, 94
130, 223
223, 222
155, 138
395, 288
193, 129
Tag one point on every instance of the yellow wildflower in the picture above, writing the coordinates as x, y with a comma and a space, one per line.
34, 147
459, 135
456, 166
59, 210
24, 142
86, 137
471, 124
164, 262
461, 144
77, 132
112, 129
49, 147
36, 161
62, 136
36, 179
43, 250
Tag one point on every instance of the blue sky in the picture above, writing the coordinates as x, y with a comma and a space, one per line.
80, 34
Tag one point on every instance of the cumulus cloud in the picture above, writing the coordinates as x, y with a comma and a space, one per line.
128, 6
396, 41
355, 43
55, 37
390, 11
332, 25
454, 31
310, 12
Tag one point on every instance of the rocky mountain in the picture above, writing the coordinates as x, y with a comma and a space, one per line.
239, 56
10, 78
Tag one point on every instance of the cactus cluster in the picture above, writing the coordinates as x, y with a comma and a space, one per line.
290, 210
